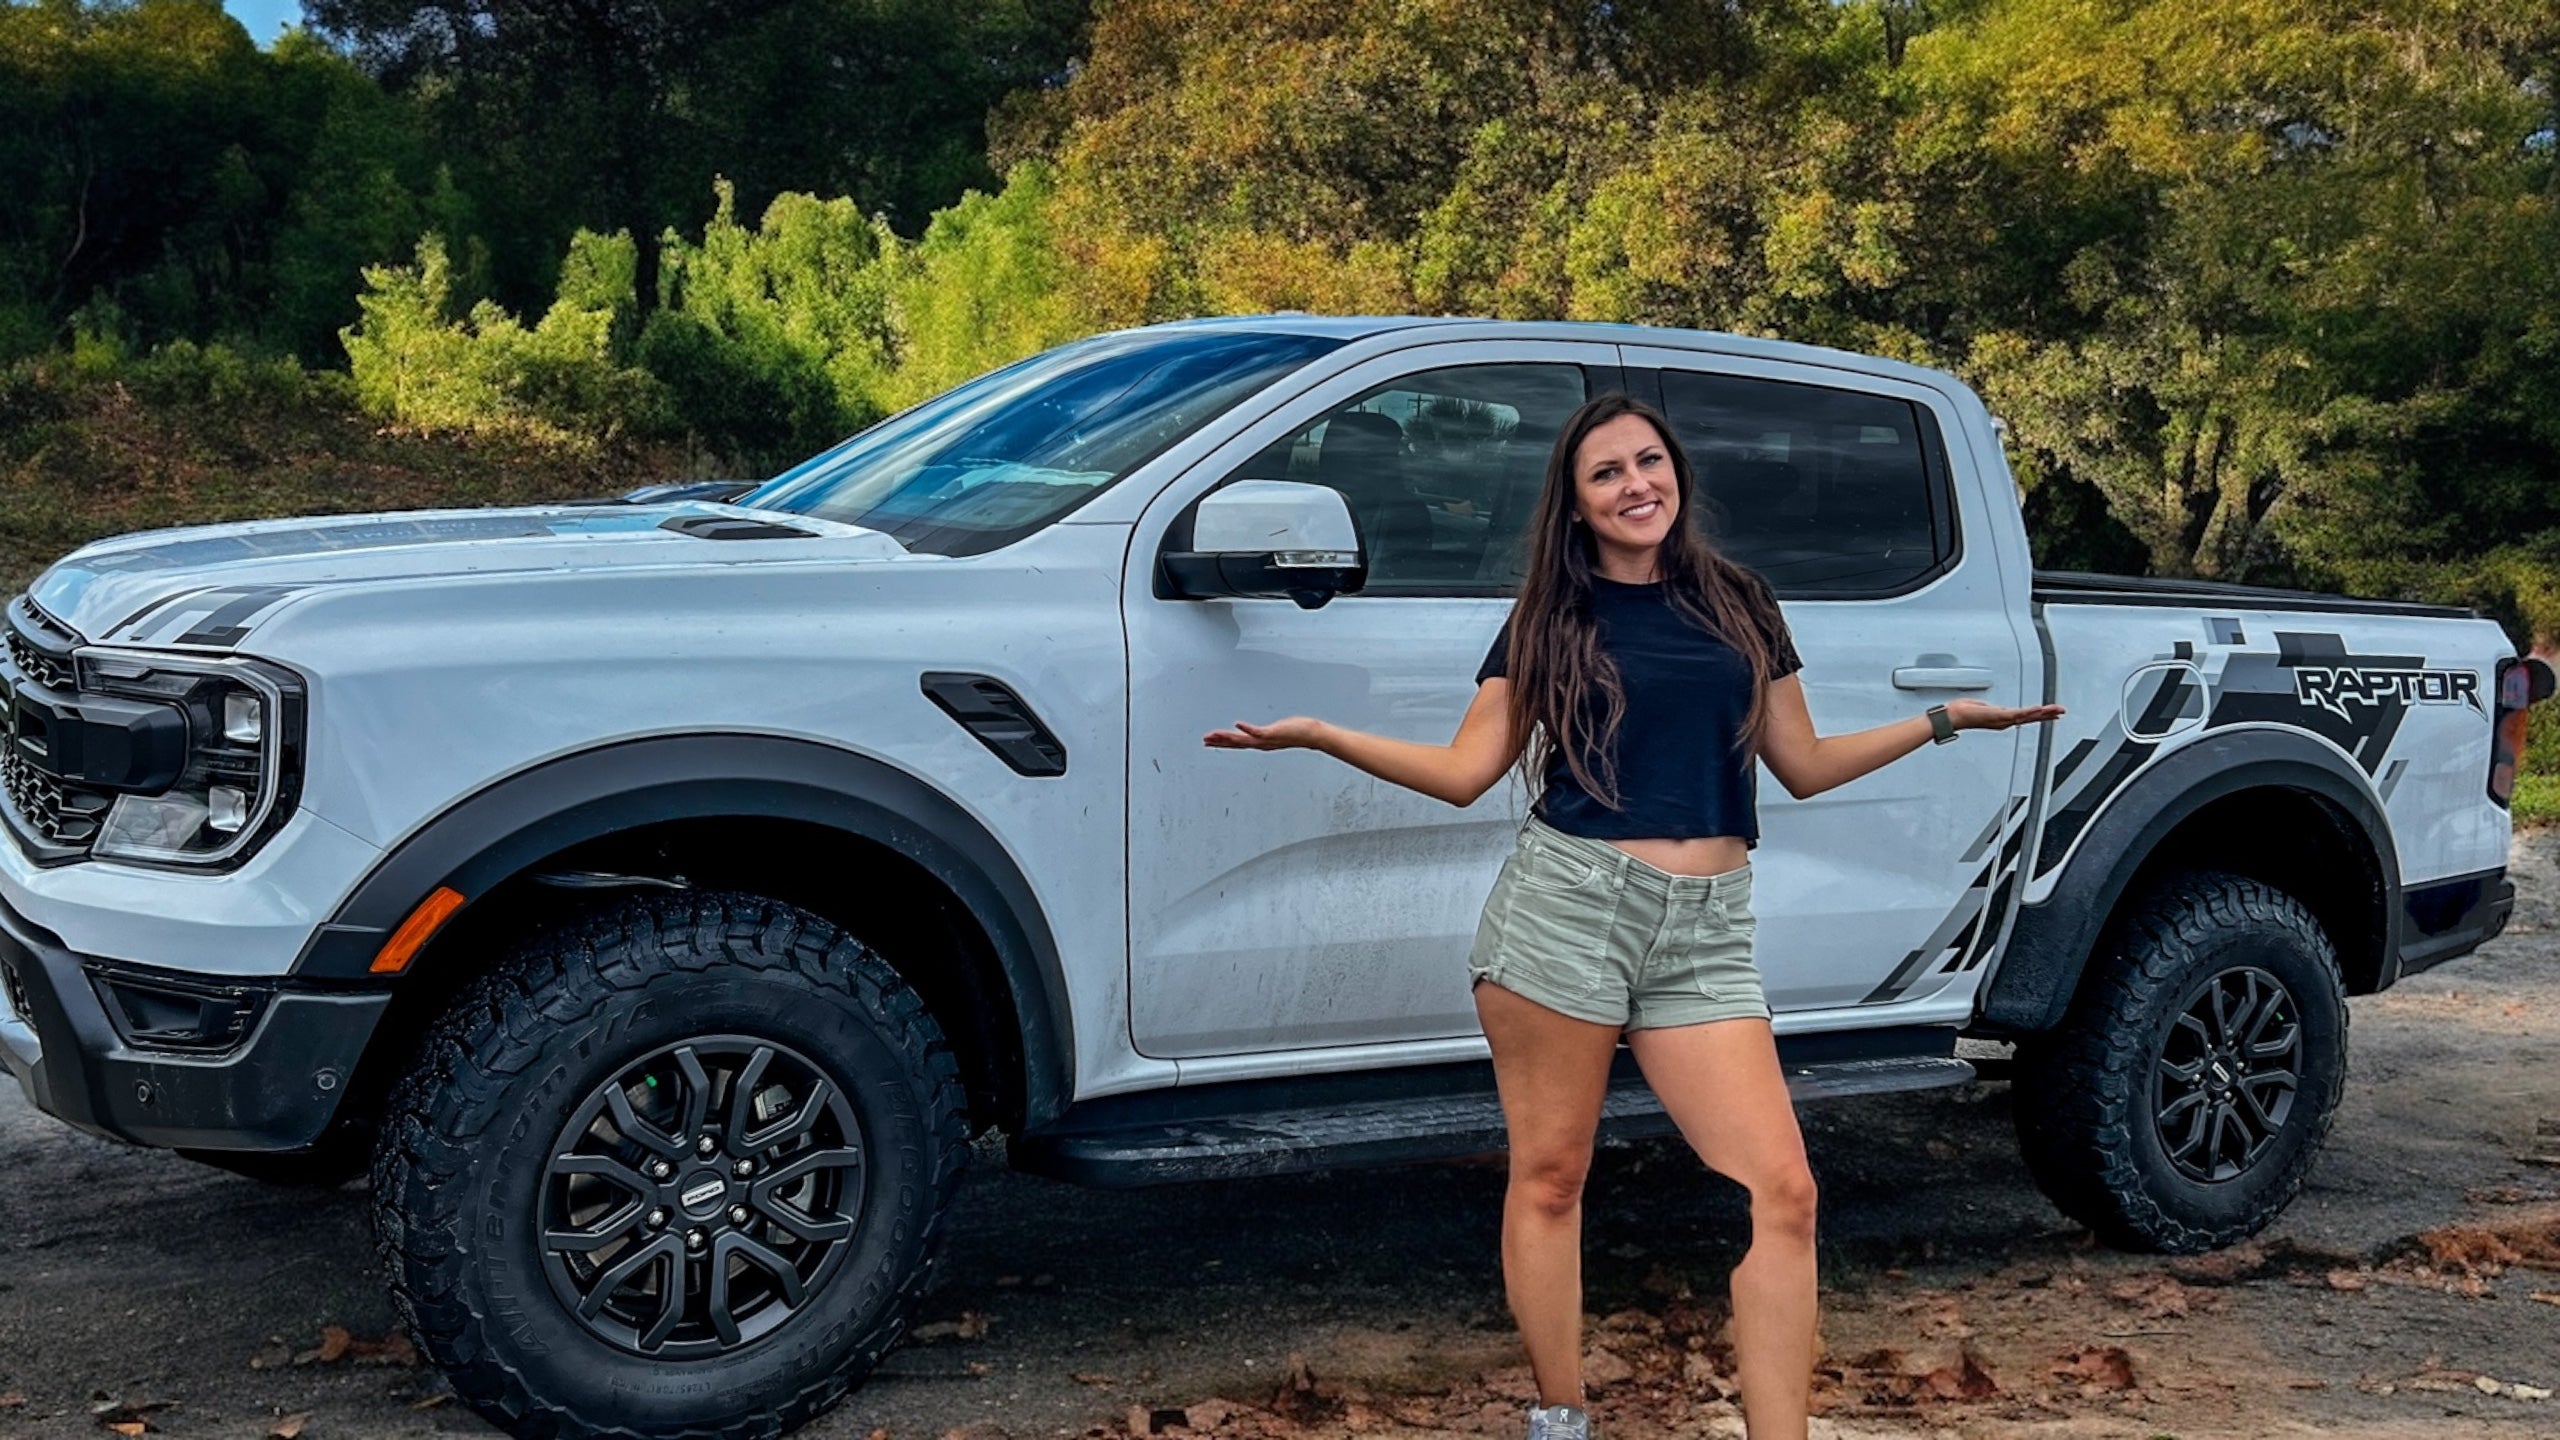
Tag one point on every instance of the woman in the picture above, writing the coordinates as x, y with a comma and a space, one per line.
1639, 676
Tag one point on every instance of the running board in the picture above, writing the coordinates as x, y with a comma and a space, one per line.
1394, 1132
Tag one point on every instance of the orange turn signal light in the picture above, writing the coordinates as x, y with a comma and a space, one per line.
416, 931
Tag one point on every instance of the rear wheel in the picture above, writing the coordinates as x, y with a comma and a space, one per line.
2182, 1100
679, 1171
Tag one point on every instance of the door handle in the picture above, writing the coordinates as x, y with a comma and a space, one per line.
1940, 672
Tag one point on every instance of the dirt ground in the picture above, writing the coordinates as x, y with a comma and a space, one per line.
2413, 1291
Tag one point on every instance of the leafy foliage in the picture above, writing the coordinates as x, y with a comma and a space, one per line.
558, 380
2266, 289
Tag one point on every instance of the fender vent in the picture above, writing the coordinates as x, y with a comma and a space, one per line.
998, 718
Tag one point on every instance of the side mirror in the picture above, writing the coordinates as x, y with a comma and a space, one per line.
1268, 539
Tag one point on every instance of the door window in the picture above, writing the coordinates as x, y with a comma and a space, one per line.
1440, 469
1828, 493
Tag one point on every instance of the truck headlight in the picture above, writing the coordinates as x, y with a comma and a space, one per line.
244, 726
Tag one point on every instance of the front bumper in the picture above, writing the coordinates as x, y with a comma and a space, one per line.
277, 1088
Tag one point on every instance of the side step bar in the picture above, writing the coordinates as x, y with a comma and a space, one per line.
1284, 1141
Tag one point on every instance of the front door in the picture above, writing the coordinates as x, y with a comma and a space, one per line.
1286, 901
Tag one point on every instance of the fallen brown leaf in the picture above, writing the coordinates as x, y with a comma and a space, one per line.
2097, 1368
2545, 1296
1088, 1377
13, 1399
971, 1325
129, 1427
2159, 1297
2348, 1280
2468, 1248
335, 1342
290, 1427
1963, 1380
392, 1349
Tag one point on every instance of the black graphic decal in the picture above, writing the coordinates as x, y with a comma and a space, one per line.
1965, 935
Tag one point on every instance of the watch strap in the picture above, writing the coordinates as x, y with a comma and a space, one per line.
1942, 726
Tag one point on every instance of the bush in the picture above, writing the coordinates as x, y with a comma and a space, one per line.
2538, 800
217, 376
488, 373
775, 341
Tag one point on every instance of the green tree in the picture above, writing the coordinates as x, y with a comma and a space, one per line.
618, 114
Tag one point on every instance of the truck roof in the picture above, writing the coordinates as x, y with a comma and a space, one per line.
1466, 327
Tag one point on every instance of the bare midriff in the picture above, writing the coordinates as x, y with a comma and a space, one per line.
1703, 855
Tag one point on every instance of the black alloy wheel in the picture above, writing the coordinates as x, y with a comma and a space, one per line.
697, 1198
2225, 1080
682, 1167
2181, 1101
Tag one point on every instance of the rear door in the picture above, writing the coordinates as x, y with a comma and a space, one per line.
1886, 892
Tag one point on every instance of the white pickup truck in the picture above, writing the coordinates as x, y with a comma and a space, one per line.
663, 891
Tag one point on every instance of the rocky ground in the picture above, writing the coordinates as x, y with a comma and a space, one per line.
2413, 1291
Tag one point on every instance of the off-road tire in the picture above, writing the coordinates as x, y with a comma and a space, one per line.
2087, 1096
465, 1154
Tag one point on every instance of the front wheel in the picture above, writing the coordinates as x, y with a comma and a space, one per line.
2179, 1105
680, 1170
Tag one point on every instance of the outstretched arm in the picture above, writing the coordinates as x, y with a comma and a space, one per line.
1808, 764
1457, 772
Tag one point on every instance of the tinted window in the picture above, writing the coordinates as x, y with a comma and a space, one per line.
1822, 491
1010, 452
1440, 469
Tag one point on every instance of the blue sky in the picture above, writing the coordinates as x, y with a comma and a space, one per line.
265, 17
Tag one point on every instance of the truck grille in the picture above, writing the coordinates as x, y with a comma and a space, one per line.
65, 815
58, 820
49, 671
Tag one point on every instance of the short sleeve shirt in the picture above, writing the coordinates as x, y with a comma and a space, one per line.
1688, 695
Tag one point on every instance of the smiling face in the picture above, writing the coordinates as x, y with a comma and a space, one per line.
1626, 489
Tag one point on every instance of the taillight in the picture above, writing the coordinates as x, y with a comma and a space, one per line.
2521, 682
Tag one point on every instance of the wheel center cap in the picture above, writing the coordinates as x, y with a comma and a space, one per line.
702, 1195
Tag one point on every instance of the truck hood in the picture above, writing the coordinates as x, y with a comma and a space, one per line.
210, 585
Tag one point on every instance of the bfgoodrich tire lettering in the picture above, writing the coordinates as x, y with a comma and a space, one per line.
2108, 1105
472, 1136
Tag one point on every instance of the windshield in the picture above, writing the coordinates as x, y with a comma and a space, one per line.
1011, 451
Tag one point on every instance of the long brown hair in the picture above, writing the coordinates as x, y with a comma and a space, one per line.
1555, 662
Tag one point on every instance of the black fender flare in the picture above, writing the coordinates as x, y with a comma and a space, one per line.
500, 831
2039, 969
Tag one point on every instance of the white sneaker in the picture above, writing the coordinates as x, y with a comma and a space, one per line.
1558, 1422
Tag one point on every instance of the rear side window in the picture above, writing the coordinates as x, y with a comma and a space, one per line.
1828, 493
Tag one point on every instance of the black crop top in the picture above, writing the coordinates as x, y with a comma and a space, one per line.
1688, 695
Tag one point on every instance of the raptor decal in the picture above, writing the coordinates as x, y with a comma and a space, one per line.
2309, 682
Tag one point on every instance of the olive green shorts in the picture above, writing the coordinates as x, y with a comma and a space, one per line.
1587, 930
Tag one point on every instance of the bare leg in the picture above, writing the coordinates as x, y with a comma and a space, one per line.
1722, 1085
1553, 1072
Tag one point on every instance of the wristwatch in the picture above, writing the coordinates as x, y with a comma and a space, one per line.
1942, 726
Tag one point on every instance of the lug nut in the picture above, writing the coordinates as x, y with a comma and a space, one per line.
743, 1167
657, 1218
693, 1240
660, 1169
737, 1214
705, 1145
